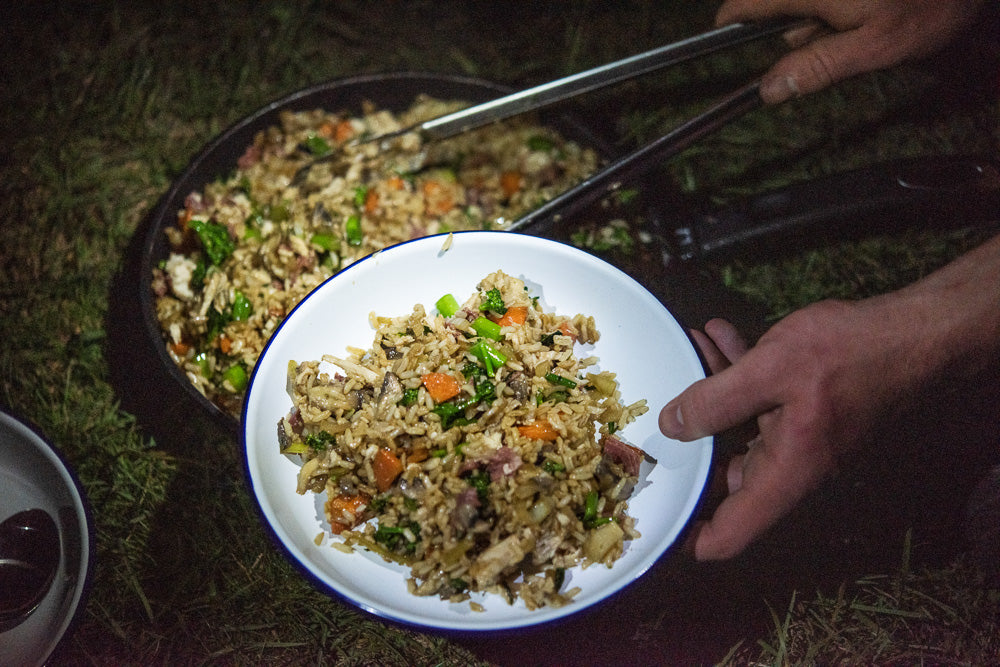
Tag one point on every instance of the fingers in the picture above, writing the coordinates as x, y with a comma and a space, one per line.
734, 473
818, 64
714, 357
727, 534
761, 493
720, 485
802, 36
711, 406
734, 11
867, 36
726, 338
721, 344
815, 63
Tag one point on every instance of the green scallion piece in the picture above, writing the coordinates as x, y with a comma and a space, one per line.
202, 360
242, 308
590, 507
553, 467
486, 328
540, 142
560, 380
317, 145
325, 242
237, 377
590, 518
491, 358
447, 305
360, 194
352, 230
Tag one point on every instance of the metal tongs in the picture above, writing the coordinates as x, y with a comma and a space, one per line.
609, 178
593, 79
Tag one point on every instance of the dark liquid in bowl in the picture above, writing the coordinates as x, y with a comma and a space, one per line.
20, 584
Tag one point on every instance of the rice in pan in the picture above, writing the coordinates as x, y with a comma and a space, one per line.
470, 444
248, 248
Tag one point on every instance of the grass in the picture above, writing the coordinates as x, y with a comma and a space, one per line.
903, 618
849, 270
106, 102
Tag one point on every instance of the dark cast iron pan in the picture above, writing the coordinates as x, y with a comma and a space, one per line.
882, 197
156, 394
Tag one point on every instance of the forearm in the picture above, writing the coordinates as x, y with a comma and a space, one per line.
955, 313
941, 332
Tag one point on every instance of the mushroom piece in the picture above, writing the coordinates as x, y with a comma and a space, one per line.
520, 384
466, 509
390, 394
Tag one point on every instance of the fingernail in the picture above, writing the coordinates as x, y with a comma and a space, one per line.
774, 89
671, 420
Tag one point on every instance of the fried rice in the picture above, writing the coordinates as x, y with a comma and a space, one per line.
471, 444
248, 248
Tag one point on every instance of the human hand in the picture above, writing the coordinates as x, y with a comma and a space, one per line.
824, 379
817, 383
866, 36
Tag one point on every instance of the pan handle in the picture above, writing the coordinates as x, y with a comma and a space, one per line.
931, 192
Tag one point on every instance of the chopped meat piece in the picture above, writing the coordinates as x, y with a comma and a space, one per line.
250, 157
503, 464
624, 454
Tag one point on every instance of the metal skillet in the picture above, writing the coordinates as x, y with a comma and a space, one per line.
393, 91
136, 339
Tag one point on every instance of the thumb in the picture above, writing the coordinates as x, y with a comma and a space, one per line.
716, 403
820, 63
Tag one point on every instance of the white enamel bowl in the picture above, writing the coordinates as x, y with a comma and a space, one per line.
640, 341
33, 475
